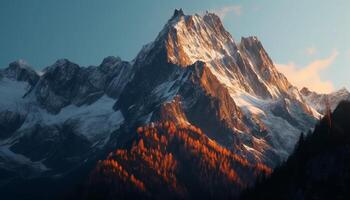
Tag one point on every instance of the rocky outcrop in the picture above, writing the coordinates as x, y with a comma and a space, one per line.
21, 71
65, 83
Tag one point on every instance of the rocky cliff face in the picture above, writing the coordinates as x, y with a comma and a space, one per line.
65, 83
21, 71
53, 122
222, 87
245, 66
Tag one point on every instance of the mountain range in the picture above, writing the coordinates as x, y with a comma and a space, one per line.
193, 101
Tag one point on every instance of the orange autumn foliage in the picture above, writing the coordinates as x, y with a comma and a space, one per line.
169, 157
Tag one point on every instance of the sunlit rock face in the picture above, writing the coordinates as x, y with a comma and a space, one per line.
230, 89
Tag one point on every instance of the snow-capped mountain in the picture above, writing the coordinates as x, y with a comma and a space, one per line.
193, 73
196, 70
320, 101
59, 117
65, 83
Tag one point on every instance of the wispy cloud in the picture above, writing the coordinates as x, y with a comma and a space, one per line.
224, 11
309, 75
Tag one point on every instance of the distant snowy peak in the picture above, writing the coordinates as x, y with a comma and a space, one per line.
319, 101
343, 92
21, 71
111, 61
53, 121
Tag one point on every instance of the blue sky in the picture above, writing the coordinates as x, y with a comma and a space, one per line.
309, 40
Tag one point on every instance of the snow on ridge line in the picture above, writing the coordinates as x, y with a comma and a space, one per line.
95, 120
318, 101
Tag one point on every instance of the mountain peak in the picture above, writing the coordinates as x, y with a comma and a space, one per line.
213, 19
253, 45
20, 70
305, 91
63, 68
178, 12
342, 90
62, 61
246, 67
190, 38
110, 61
20, 63
317, 100
61, 64
250, 40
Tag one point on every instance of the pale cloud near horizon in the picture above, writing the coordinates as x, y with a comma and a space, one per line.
310, 75
224, 11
